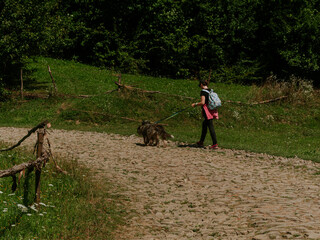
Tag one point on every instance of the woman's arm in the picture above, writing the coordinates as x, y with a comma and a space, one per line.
203, 101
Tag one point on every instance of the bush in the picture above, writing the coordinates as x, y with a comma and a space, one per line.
4, 93
297, 90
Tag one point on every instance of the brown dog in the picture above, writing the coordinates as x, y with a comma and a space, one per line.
152, 133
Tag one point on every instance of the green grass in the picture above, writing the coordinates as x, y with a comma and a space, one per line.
279, 128
72, 206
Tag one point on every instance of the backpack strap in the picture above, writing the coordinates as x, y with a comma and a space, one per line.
207, 91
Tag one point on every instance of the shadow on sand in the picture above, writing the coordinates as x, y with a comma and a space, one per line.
190, 146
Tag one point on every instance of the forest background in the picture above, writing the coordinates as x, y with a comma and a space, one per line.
238, 41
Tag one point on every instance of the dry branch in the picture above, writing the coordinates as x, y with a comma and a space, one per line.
104, 114
257, 103
41, 125
110, 115
227, 101
46, 96
270, 100
54, 161
29, 165
148, 91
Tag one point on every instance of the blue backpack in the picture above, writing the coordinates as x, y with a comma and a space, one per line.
214, 101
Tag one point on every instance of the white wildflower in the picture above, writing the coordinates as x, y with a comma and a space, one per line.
29, 214
1, 192
50, 185
270, 118
236, 115
34, 208
11, 194
43, 204
22, 208
5, 210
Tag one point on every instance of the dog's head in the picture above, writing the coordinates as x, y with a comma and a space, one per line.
144, 122
143, 126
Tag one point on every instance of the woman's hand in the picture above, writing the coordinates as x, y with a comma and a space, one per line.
194, 104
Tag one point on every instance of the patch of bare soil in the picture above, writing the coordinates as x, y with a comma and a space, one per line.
181, 192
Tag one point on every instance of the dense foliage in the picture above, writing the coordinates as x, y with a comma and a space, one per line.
30, 28
240, 41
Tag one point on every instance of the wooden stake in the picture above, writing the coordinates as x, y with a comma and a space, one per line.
53, 82
40, 125
119, 81
38, 168
21, 88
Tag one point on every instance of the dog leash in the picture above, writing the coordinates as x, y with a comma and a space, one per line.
171, 116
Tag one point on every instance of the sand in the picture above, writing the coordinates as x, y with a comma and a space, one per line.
183, 192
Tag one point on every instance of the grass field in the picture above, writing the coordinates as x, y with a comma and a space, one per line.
72, 206
285, 128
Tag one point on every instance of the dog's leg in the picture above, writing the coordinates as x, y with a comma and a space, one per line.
164, 143
148, 141
157, 141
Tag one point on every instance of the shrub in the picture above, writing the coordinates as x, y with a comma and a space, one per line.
297, 90
4, 93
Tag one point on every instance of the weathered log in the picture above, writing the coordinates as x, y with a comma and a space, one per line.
28, 165
40, 125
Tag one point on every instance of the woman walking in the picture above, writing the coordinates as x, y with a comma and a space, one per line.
208, 115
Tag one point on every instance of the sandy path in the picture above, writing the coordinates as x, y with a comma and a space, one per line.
181, 192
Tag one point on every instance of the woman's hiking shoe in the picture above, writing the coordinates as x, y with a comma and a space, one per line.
200, 144
215, 146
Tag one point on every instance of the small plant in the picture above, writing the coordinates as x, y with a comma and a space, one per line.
296, 90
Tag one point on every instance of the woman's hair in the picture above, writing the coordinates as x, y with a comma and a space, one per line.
203, 82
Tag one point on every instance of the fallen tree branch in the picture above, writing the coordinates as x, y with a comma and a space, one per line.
46, 96
54, 161
148, 91
110, 115
29, 165
257, 103
40, 125
104, 114
227, 101
270, 100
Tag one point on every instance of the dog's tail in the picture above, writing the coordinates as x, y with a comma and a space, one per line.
167, 135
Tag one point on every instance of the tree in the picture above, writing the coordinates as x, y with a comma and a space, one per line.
30, 28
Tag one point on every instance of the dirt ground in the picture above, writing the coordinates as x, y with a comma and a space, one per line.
183, 192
